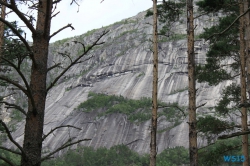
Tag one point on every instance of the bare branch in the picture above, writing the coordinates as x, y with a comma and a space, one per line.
20, 73
54, 66
2, 77
233, 135
63, 147
67, 26
52, 130
77, 59
21, 16
17, 33
7, 161
84, 48
14, 106
10, 150
201, 105
55, 14
11, 138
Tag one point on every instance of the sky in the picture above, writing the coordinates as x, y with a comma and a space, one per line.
91, 15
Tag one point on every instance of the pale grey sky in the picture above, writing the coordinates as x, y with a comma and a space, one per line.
92, 14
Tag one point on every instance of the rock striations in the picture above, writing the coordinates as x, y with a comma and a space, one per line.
122, 66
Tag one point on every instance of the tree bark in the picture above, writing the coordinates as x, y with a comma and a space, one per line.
244, 87
153, 150
3, 13
32, 144
193, 152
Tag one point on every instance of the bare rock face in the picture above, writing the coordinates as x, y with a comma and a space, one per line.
122, 66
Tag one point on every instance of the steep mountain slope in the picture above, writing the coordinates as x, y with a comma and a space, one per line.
122, 66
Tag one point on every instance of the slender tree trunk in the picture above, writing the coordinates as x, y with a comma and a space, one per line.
3, 13
193, 152
244, 87
32, 145
153, 150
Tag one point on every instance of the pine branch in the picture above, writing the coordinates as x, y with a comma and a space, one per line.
14, 106
2, 77
7, 161
77, 59
225, 30
63, 147
11, 138
10, 150
61, 29
21, 16
233, 135
52, 130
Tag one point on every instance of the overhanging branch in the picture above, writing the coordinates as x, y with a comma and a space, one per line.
9, 105
63, 147
225, 30
67, 26
52, 130
11, 138
77, 59
10, 150
233, 135
7, 161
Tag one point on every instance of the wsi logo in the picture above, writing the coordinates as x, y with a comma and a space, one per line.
234, 158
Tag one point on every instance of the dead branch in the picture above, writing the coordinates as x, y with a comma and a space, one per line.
55, 14
20, 73
2, 77
77, 59
67, 26
133, 141
201, 105
9, 105
54, 66
21, 16
11, 138
10, 150
52, 130
7, 161
63, 147
84, 48
233, 135
18, 34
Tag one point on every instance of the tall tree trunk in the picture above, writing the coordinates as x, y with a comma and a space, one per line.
32, 145
193, 152
3, 13
243, 83
153, 150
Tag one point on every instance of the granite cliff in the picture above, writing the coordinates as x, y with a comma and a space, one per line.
123, 66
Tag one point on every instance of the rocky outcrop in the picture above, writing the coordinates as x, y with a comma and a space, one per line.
122, 66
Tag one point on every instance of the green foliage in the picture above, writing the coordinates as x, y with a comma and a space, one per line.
231, 94
212, 72
135, 109
213, 154
91, 32
149, 13
119, 155
215, 5
173, 157
61, 42
14, 158
211, 126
